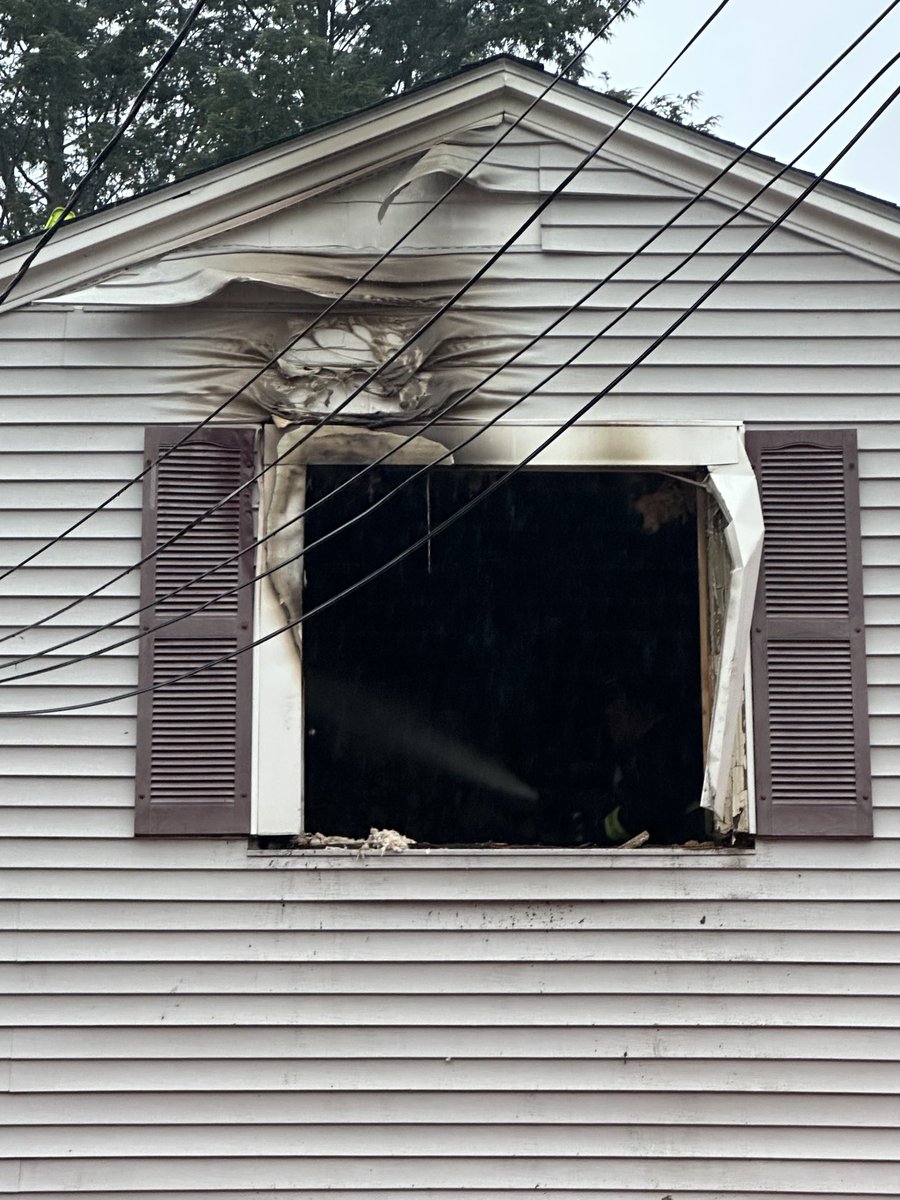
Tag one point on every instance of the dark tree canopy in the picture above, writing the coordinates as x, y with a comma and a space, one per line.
250, 73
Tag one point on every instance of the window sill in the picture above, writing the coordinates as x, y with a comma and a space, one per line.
536, 857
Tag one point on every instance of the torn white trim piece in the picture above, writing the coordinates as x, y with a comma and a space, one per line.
734, 486
277, 796
458, 158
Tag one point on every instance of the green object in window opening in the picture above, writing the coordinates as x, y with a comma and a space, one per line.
55, 216
613, 827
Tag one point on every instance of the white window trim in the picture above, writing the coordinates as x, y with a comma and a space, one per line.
717, 447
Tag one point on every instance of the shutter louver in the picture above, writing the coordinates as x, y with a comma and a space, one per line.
809, 687
194, 740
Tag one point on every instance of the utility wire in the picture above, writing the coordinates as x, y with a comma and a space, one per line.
530, 457
136, 106
431, 321
373, 375
311, 325
329, 418
442, 415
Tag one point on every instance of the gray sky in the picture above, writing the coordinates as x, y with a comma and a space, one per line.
756, 57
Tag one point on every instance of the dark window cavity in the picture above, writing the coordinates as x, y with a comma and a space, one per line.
532, 677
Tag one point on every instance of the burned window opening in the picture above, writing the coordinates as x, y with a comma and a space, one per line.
533, 677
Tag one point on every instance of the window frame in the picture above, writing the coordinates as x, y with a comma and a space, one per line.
716, 447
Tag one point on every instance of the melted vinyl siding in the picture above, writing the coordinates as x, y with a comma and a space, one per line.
180, 1019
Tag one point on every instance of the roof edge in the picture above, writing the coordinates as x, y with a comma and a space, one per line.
287, 172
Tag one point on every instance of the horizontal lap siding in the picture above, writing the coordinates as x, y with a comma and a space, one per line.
181, 1019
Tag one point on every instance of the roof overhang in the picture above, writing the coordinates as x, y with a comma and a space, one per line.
259, 184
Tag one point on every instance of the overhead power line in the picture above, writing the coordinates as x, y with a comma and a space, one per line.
125, 124
311, 325
476, 387
529, 458
330, 417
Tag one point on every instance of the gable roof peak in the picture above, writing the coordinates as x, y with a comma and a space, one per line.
501, 87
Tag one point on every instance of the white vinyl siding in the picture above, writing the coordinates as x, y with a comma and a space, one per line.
182, 1019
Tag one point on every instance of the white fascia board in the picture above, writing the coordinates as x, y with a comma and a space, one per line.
252, 187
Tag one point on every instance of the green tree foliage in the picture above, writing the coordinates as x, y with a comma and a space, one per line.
249, 74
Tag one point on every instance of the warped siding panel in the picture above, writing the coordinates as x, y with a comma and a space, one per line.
699, 379
619, 349
170, 331
187, 1020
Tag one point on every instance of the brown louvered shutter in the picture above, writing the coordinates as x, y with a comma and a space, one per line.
810, 713
194, 737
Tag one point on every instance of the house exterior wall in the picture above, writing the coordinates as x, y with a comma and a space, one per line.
185, 1018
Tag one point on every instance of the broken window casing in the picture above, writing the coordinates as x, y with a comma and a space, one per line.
715, 579
731, 572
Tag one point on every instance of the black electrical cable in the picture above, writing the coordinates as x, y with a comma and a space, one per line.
440, 416
481, 496
136, 106
330, 307
383, 366
372, 376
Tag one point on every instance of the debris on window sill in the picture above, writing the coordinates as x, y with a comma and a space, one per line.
382, 841
637, 841
362, 849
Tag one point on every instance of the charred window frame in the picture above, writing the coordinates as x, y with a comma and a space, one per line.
730, 525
